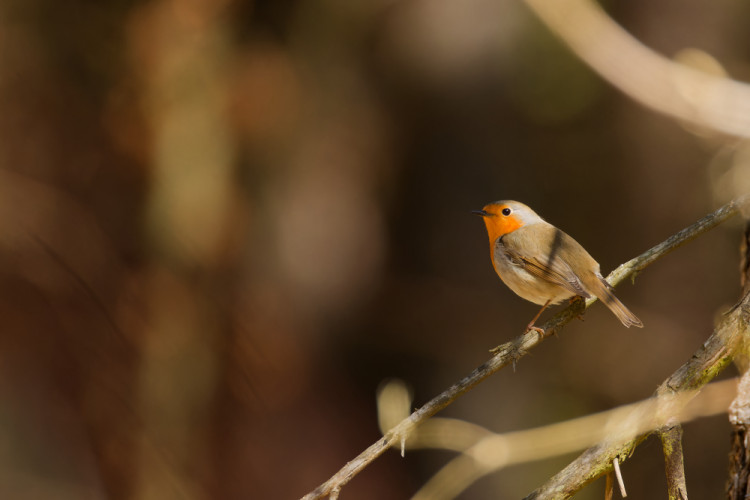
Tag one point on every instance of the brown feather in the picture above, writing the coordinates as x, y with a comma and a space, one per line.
602, 291
547, 252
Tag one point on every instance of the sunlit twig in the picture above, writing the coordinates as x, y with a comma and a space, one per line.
496, 451
618, 475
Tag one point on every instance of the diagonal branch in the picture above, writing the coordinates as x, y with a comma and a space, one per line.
510, 352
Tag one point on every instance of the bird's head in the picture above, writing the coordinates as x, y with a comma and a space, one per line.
503, 217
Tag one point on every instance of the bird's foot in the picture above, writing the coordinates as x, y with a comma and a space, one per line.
540, 331
579, 303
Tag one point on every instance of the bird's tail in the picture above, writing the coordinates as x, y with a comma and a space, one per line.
627, 318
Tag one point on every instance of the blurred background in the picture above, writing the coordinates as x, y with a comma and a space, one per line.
224, 223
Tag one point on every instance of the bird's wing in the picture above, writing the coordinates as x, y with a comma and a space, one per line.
557, 272
544, 257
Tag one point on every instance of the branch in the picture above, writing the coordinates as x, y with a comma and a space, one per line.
510, 352
674, 465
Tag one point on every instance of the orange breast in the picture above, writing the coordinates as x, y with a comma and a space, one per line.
499, 225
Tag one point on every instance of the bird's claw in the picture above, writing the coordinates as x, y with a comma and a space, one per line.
532, 328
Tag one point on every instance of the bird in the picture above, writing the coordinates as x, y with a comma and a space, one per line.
543, 264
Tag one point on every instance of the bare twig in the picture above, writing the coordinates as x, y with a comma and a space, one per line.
509, 352
618, 475
671, 441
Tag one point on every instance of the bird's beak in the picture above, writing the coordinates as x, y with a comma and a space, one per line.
481, 213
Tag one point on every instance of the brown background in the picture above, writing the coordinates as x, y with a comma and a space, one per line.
224, 224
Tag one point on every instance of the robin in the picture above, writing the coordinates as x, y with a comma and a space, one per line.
542, 264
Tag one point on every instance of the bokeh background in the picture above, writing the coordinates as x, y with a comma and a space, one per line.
224, 223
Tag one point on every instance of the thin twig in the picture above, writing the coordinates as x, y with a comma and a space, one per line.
510, 352
609, 486
618, 474
674, 465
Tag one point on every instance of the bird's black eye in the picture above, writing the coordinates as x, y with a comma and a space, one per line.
506, 211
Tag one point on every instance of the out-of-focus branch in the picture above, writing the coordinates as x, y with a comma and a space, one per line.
714, 102
609, 487
484, 452
674, 465
510, 352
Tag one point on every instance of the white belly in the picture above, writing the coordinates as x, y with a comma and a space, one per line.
525, 284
